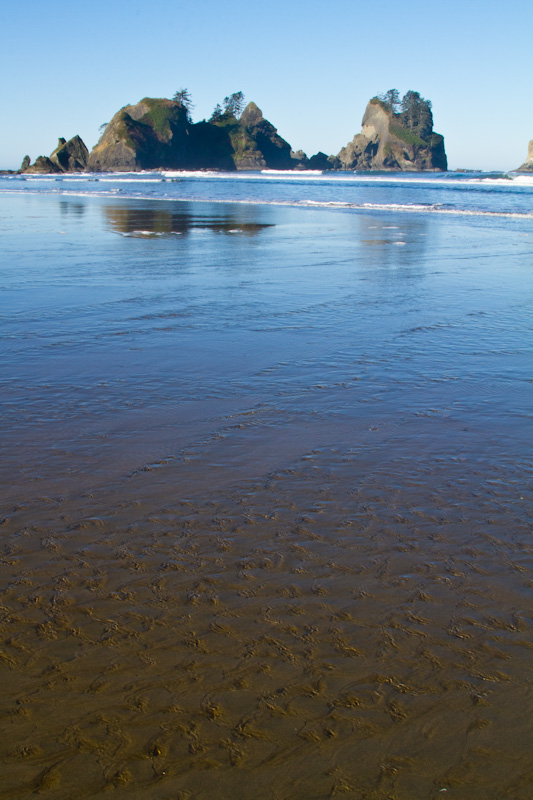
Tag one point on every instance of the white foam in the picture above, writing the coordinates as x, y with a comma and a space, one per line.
135, 192
130, 180
514, 180
438, 179
187, 173
289, 173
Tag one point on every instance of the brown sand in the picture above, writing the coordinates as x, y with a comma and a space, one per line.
334, 629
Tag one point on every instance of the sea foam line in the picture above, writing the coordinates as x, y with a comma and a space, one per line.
442, 180
325, 204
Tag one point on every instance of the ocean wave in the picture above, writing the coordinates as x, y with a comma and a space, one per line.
130, 180
285, 173
475, 181
189, 173
437, 208
117, 193
514, 180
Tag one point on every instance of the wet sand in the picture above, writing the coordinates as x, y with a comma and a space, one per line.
273, 578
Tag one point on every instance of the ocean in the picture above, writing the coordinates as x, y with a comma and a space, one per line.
472, 193
266, 498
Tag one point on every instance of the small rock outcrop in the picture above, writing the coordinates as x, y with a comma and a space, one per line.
527, 166
71, 156
42, 166
322, 161
396, 140
299, 160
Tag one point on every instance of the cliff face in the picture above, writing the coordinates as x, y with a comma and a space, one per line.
387, 143
68, 156
527, 166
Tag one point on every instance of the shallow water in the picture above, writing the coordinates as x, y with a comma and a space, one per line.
265, 513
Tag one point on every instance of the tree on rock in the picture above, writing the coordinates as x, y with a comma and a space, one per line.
184, 99
391, 99
416, 114
217, 113
234, 104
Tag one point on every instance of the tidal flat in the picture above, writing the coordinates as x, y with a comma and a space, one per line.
266, 503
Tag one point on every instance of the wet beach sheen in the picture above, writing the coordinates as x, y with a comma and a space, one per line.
266, 501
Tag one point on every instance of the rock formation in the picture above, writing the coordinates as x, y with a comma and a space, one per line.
147, 135
42, 165
71, 156
391, 141
527, 166
257, 144
158, 133
322, 161
299, 160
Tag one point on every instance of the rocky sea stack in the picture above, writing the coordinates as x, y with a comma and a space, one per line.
396, 136
158, 133
150, 134
71, 156
527, 166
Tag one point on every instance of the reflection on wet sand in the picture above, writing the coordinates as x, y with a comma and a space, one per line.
142, 221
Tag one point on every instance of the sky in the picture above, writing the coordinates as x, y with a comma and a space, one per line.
311, 67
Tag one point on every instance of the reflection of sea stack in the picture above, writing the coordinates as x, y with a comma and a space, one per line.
527, 166
147, 222
391, 139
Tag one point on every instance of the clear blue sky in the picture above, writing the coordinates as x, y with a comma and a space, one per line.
311, 67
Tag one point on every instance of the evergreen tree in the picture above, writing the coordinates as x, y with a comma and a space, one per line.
234, 104
416, 114
183, 99
391, 100
217, 113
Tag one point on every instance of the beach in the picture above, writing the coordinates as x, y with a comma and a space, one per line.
265, 513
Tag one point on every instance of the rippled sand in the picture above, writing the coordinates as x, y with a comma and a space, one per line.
308, 636
269, 579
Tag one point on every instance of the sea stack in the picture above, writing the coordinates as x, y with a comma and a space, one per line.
257, 144
527, 166
157, 133
396, 136
148, 135
71, 156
